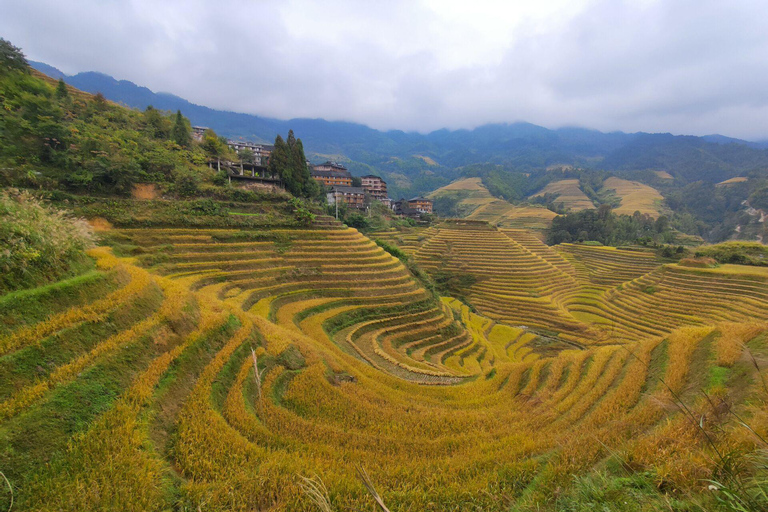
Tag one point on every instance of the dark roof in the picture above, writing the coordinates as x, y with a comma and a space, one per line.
373, 176
420, 198
333, 164
330, 174
348, 190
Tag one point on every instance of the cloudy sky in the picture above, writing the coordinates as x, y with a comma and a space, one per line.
680, 66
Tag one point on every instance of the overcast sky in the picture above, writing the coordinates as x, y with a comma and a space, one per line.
681, 66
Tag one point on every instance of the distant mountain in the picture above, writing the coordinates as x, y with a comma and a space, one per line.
398, 155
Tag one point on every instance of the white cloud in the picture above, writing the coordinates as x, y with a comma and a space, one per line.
683, 66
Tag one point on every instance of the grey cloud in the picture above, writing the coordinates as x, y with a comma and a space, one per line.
683, 66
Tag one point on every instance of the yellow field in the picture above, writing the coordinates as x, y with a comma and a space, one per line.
732, 181
635, 196
568, 193
566, 361
484, 207
664, 175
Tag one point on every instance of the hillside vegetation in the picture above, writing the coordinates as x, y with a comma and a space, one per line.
217, 349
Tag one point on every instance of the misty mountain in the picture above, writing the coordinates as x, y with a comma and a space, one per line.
409, 158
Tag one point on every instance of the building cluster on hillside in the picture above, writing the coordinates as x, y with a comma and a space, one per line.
336, 178
372, 188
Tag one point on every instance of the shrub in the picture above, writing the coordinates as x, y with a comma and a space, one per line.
37, 243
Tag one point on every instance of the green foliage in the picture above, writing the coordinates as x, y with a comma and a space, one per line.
302, 213
11, 58
289, 163
392, 249
357, 220
741, 253
606, 227
37, 244
453, 284
759, 198
61, 89
181, 130
447, 205
52, 139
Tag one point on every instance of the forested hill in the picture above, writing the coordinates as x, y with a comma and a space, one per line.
712, 158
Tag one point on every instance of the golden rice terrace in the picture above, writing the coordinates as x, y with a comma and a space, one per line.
211, 369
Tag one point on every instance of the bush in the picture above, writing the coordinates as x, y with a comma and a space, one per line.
740, 253
37, 243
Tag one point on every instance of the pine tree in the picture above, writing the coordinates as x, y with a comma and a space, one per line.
309, 186
180, 131
61, 89
11, 58
279, 163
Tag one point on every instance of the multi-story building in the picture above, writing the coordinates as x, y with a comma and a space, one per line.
332, 174
353, 196
375, 186
260, 152
421, 204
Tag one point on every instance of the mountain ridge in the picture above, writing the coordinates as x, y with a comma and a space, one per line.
397, 154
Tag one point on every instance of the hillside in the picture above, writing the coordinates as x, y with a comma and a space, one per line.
170, 342
635, 196
469, 198
517, 145
568, 194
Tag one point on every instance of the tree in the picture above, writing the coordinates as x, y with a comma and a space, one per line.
180, 131
279, 162
11, 58
157, 125
247, 156
290, 164
61, 89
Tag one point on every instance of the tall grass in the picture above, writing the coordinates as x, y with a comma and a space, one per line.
38, 244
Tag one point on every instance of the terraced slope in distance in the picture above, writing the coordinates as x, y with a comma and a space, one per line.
635, 196
478, 204
568, 193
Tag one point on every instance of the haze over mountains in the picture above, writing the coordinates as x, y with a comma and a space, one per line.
401, 155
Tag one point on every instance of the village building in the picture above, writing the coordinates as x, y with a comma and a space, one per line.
331, 174
198, 132
414, 207
260, 152
375, 186
352, 196
421, 204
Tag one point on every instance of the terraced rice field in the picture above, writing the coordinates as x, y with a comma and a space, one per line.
568, 193
635, 196
482, 206
135, 385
